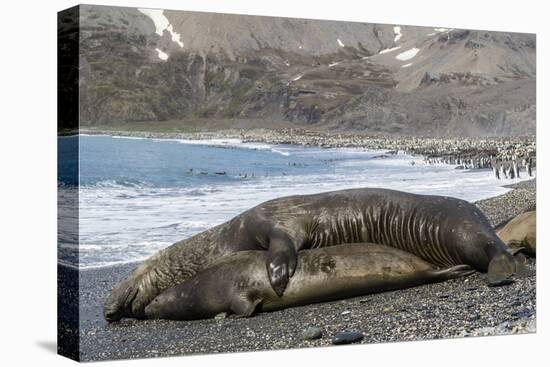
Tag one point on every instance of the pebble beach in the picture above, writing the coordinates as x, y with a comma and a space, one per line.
498, 147
464, 307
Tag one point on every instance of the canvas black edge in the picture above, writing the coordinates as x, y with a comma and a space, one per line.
68, 34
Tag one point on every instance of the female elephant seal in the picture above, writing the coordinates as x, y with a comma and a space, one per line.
441, 230
520, 233
239, 283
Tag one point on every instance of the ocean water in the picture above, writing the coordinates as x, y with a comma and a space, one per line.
140, 195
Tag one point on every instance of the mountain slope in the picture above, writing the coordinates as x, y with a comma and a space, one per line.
154, 65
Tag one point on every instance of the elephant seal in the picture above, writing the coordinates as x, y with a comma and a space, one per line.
240, 285
443, 231
521, 233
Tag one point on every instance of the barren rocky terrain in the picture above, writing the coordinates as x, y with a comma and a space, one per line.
150, 65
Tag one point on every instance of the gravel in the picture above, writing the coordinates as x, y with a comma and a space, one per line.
504, 207
457, 308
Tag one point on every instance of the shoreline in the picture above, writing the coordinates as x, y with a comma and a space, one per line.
498, 155
414, 175
298, 136
456, 308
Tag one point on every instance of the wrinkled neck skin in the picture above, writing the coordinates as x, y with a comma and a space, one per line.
441, 230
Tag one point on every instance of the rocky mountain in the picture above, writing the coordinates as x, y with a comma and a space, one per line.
154, 65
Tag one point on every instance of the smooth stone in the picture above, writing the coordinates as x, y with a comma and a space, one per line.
311, 333
499, 283
523, 313
220, 316
347, 337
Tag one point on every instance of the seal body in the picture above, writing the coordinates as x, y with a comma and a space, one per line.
240, 285
443, 231
521, 232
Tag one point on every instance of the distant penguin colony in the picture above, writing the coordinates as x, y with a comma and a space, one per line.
505, 156
503, 165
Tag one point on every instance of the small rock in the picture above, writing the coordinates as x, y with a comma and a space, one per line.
500, 282
220, 316
347, 312
311, 333
347, 337
387, 309
475, 317
504, 327
515, 304
523, 313
364, 300
443, 296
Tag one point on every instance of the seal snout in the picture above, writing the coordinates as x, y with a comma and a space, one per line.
149, 311
112, 311
112, 315
119, 302
152, 309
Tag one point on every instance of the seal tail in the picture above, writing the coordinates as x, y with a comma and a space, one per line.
503, 267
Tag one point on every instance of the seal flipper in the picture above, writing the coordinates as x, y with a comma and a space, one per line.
244, 304
281, 261
453, 272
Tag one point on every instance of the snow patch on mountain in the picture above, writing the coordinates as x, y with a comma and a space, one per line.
386, 50
162, 55
407, 55
398, 34
176, 37
162, 23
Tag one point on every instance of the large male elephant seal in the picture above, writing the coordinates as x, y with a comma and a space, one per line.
441, 230
521, 233
239, 283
